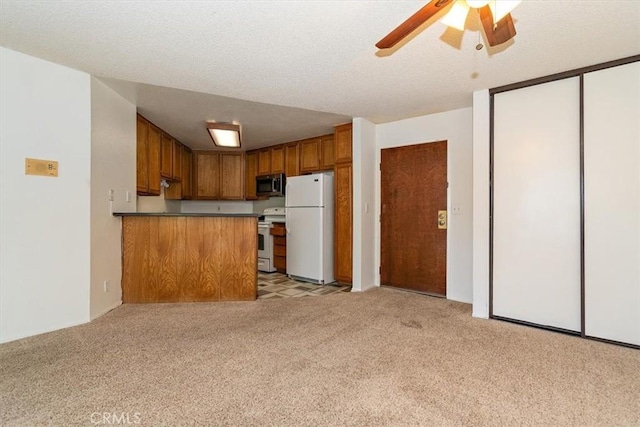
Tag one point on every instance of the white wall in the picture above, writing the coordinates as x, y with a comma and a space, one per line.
455, 127
158, 203
45, 222
364, 224
481, 143
113, 167
272, 202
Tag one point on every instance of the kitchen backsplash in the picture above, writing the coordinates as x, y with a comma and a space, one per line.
159, 204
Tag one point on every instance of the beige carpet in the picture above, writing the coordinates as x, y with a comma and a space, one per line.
383, 357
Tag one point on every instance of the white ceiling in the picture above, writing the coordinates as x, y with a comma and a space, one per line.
310, 55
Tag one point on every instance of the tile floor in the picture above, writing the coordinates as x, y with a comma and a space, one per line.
278, 285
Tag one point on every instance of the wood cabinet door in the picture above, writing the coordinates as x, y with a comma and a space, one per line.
292, 160
232, 173
142, 155
343, 140
264, 161
277, 159
326, 152
207, 175
176, 163
251, 171
186, 173
166, 157
153, 159
343, 252
310, 155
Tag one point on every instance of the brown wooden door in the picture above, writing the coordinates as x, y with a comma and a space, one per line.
414, 188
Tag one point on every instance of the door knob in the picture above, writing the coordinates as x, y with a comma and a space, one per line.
442, 220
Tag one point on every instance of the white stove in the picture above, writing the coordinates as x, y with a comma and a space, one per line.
265, 239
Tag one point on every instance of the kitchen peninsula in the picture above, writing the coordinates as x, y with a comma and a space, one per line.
182, 257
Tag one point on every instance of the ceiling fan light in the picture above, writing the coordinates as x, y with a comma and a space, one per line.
501, 8
224, 134
477, 4
457, 15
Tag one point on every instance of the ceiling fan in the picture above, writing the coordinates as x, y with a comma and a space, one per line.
495, 16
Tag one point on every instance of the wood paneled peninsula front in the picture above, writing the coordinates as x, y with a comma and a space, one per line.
183, 257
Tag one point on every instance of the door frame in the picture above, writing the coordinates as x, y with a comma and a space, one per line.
378, 208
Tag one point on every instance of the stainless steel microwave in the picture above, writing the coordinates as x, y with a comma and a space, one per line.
270, 185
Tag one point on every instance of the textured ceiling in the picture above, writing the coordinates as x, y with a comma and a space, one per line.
314, 55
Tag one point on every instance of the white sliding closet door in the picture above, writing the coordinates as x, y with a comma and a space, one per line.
612, 203
536, 220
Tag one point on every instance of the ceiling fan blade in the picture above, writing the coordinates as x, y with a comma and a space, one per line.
417, 19
503, 31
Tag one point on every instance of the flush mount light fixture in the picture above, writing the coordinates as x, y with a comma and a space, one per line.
224, 134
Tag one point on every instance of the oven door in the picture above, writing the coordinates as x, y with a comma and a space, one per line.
264, 241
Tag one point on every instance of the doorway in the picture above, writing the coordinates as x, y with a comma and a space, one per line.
413, 241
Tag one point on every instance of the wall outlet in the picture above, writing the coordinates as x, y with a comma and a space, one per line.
106, 285
111, 196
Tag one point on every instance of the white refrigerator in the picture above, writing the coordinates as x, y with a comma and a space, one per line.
309, 223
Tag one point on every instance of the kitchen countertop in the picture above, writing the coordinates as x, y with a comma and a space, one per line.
245, 215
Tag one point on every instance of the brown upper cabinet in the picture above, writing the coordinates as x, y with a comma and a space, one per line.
148, 157
166, 157
218, 175
142, 155
264, 161
176, 164
206, 181
170, 158
310, 155
292, 159
250, 173
326, 152
277, 159
181, 190
342, 147
232, 170
186, 173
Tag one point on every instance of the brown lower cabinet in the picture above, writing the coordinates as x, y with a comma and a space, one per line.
189, 258
279, 234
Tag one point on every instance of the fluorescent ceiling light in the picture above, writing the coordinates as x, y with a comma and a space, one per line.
224, 134
457, 15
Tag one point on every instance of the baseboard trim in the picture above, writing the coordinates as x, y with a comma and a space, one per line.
106, 310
